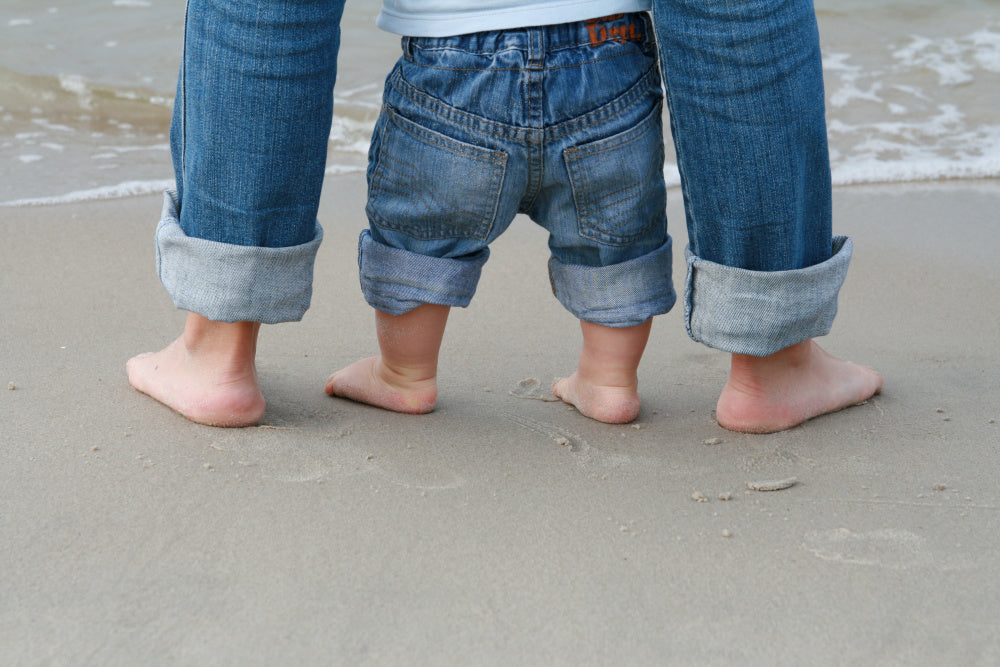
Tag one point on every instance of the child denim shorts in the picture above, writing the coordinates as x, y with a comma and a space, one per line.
562, 123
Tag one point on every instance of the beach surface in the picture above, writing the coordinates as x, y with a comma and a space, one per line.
502, 528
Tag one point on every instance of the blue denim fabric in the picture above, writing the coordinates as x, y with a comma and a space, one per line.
761, 312
562, 123
232, 283
744, 86
249, 139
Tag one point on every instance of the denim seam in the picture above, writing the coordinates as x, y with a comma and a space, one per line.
587, 210
184, 94
601, 115
381, 288
494, 155
760, 312
498, 159
230, 283
515, 69
651, 273
644, 17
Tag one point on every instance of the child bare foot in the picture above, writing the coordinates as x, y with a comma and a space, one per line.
207, 375
605, 386
404, 377
611, 405
370, 381
775, 393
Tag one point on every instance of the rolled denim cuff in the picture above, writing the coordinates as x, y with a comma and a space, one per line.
619, 295
761, 312
396, 281
233, 283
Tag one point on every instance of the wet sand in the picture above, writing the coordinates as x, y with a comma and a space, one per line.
498, 530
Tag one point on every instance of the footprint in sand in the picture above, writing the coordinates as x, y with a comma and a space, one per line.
279, 453
571, 441
532, 388
890, 548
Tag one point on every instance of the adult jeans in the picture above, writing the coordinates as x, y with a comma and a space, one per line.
744, 88
238, 238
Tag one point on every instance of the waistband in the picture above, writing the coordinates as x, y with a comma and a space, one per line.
621, 28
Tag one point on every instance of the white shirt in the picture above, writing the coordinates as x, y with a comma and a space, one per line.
442, 18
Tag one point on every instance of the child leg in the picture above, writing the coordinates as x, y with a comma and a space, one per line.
605, 385
403, 378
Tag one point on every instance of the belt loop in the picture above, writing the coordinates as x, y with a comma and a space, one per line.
536, 46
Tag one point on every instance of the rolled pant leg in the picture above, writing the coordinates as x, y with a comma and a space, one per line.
744, 87
249, 138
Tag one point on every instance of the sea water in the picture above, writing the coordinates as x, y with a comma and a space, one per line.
86, 89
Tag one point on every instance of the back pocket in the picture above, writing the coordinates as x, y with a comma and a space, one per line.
617, 183
431, 186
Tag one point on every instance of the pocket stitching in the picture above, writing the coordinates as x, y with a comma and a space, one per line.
482, 219
586, 210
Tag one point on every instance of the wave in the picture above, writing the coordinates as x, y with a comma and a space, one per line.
859, 173
119, 191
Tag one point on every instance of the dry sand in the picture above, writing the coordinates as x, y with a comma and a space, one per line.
498, 530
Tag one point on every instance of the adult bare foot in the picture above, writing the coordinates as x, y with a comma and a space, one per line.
611, 405
793, 385
207, 375
371, 381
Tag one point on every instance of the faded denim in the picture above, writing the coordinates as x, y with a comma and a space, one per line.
744, 86
249, 139
562, 123
761, 312
233, 283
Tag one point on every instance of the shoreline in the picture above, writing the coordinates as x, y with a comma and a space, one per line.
131, 189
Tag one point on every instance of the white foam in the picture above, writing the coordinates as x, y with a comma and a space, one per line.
125, 189
136, 149
15, 23
949, 58
848, 92
913, 170
340, 169
43, 122
972, 154
76, 84
987, 49
837, 62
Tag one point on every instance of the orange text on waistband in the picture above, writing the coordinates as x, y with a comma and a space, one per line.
602, 30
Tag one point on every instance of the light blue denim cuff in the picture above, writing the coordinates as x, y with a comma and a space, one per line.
396, 281
233, 283
619, 295
761, 312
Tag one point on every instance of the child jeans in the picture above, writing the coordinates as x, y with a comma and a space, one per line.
562, 123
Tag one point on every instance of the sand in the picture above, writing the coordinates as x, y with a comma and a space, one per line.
498, 530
